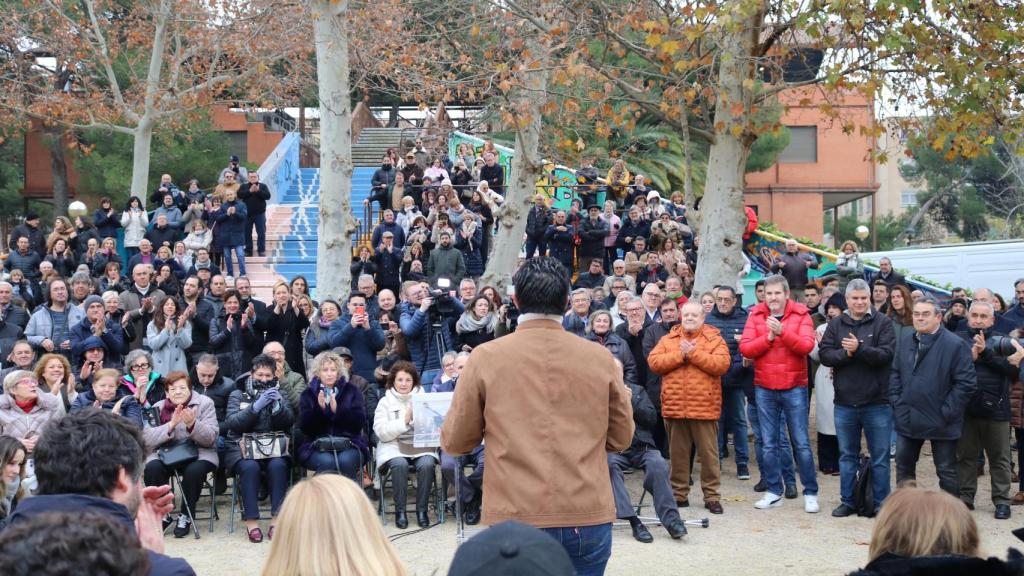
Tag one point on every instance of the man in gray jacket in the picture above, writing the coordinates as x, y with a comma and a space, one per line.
49, 327
445, 261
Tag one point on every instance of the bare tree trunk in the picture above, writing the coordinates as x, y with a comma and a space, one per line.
689, 197
142, 146
527, 167
54, 138
723, 219
336, 224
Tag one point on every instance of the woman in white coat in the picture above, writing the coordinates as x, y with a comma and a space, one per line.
169, 335
393, 424
134, 220
824, 396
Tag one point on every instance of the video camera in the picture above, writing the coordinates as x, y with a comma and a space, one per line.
443, 305
511, 310
998, 345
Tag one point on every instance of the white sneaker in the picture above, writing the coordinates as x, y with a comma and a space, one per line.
769, 500
811, 504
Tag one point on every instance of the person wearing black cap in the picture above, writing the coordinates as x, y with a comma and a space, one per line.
511, 549
241, 172
29, 229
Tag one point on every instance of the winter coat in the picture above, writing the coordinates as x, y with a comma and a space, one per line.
614, 224
27, 263
106, 226
889, 564
100, 261
316, 422
649, 338
389, 426
15, 422
196, 240
64, 265
168, 348
592, 235
537, 222
421, 338
848, 267
780, 364
12, 329
930, 386
130, 407
40, 324
167, 235
472, 253
573, 322
287, 329
994, 374
730, 326
241, 419
561, 244
113, 338
131, 302
795, 270
155, 391
29, 508
255, 202
691, 386
620, 350
205, 314
633, 230
134, 223
234, 348
645, 418
36, 239
364, 343
231, 226
447, 262
863, 378
204, 431
1017, 401
395, 228
388, 267
383, 177
218, 392
359, 268
824, 392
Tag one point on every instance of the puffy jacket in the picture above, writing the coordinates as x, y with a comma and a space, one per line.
27, 263
620, 350
363, 343
1017, 401
864, 377
15, 422
779, 364
233, 348
241, 419
155, 391
316, 422
730, 326
994, 374
537, 222
159, 565
134, 223
231, 227
592, 235
691, 386
931, 384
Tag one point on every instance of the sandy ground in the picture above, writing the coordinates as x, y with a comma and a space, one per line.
744, 540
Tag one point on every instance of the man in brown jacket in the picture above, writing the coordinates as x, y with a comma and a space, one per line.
691, 359
549, 406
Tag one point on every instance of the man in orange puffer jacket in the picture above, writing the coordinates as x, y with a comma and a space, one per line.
778, 336
691, 360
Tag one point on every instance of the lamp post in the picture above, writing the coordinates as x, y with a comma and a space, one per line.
862, 232
77, 208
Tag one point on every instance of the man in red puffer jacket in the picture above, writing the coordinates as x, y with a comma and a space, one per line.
778, 337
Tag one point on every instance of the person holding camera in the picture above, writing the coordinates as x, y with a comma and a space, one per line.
987, 419
332, 416
425, 324
259, 419
181, 438
360, 333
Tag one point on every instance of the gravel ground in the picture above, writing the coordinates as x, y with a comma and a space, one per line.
744, 540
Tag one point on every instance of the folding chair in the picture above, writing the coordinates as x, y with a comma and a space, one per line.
207, 491
385, 481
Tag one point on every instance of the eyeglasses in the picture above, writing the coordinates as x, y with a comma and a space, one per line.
143, 366
924, 314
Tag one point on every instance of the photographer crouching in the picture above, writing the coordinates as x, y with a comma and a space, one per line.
426, 316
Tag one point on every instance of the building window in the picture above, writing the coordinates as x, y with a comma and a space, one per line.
803, 146
908, 199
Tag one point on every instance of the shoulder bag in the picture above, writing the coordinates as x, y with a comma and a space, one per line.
263, 445
178, 453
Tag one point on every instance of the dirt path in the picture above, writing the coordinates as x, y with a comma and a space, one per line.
741, 541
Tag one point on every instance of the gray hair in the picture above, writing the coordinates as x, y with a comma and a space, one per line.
988, 305
448, 356
579, 291
931, 302
462, 355
857, 285
81, 277
12, 379
328, 356
364, 278
594, 315
7, 284
135, 355
209, 360
777, 279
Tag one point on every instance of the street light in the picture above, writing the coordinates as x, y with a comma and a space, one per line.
77, 208
861, 232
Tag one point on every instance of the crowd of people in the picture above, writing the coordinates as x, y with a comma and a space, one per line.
217, 387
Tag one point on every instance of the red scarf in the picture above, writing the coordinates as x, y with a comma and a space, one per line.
167, 410
26, 406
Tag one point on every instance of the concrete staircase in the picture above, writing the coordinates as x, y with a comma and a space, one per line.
373, 143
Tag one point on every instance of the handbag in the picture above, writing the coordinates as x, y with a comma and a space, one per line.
178, 453
333, 444
263, 445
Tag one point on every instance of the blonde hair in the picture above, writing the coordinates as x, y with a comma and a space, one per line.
327, 527
329, 357
918, 522
851, 244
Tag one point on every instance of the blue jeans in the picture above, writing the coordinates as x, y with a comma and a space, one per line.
876, 422
734, 420
259, 221
786, 454
771, 404
589, 547
239, 254
346, 464
427, 379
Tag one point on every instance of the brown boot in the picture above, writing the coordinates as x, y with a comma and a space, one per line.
1017, 499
